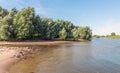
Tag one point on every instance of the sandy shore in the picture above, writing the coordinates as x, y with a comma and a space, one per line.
9, 57
31, 43
6, 59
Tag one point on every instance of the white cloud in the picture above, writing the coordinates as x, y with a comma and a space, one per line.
108, 27
39, 9
36, 4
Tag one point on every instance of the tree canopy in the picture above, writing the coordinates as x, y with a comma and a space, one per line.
113, 34
25, 24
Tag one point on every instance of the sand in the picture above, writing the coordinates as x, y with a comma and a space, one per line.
7, 59
32, 43
9, 56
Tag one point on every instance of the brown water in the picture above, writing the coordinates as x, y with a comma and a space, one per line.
97, 56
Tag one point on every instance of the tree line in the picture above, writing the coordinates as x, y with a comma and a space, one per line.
112, 35
25, 24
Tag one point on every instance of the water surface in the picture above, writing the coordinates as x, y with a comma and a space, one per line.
97, 56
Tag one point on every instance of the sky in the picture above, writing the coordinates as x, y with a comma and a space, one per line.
102, 16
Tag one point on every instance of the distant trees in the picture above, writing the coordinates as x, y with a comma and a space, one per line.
24, 24
96, 36
113, 34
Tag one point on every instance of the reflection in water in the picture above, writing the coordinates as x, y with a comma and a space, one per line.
98, 56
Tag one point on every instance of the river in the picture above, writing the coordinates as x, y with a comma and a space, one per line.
97, 56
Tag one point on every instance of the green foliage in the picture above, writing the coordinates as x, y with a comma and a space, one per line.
24, 24
63, 34
4, 29
3, 12
97, 36
113, 34
37, 27
85, 33
82, 33
75, 34
7, 28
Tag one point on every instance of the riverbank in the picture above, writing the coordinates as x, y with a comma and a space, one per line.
32, 43
12, 52
11, 55
6, 59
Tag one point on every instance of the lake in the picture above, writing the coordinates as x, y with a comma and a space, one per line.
97, 56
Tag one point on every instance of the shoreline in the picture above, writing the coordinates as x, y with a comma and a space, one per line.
39, 42
13, 52
7, 59
11, 55
32, 43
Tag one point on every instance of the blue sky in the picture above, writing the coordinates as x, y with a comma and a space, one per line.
102, 16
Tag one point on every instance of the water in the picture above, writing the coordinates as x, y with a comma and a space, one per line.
97, 56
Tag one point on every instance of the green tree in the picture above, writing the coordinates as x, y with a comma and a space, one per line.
23, 22
37, 27
97, 36
3, 12
75, 34
6, 28
63, 34
113, 34
85, 33
49, 29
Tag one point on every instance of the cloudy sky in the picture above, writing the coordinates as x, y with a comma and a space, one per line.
102, 16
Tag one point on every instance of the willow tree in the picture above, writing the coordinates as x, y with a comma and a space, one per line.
63, 34
3, 12
85, 33
4, 29
75, 34
7, 27
23, 23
